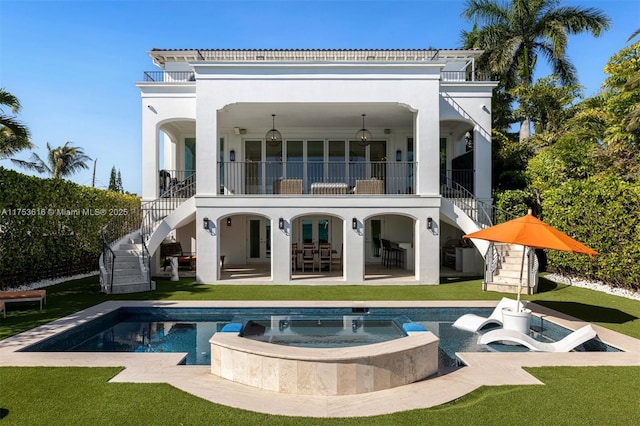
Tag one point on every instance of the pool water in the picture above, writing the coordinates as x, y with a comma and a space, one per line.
322, 331
188, 330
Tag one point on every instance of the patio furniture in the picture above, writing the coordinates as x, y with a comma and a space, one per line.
185, 259
473, 322
369, 186
321, 188
392, 254
324, 255
566, 344
336, 260
308, 256
23, 296
294, 256
287, 186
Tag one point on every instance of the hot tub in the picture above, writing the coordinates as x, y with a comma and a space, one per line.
324, 370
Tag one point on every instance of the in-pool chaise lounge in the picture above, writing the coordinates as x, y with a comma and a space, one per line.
566, 344
473, 322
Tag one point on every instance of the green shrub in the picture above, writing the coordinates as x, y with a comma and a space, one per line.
51, 227
601, 212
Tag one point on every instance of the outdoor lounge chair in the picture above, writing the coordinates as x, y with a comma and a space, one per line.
473, 322
565, 344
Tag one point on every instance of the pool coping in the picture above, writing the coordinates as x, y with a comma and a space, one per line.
482, 368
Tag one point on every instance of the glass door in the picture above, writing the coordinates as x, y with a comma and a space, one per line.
253, 170
259, 240
372, 240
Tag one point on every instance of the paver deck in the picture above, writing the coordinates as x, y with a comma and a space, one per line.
486, 368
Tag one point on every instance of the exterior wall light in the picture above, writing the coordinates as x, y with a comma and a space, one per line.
429, 223
232, 155
354, 223
205, 223
399, 155
281, 223
228, 221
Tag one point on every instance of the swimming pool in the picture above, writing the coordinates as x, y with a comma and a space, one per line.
188, 330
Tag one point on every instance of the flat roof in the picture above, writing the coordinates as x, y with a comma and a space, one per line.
162, 56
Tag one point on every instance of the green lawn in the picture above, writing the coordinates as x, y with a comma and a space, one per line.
69, 396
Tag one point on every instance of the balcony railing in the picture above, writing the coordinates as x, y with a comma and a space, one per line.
316, 178
169, 76
176, 183
189, 76
454, 76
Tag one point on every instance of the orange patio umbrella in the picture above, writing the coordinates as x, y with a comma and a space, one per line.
531, 232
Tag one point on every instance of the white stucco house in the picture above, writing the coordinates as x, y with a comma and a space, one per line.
217, 179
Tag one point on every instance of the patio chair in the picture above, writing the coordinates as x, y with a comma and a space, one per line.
324, 255
308, 256
473, 322
566, 344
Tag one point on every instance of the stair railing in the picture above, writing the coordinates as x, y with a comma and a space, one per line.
158, 209
112, 232
108, 259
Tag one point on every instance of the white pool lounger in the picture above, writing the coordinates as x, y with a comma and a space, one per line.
473, 322
569, 342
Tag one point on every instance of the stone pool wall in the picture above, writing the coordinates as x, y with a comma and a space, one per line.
324, 371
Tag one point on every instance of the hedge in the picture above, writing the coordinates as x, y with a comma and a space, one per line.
51, 227
603, 213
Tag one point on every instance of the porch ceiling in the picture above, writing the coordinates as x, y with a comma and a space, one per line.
334, 115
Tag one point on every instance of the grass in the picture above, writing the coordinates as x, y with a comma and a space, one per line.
69, 396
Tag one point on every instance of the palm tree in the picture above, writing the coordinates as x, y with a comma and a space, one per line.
514, 34
61, 162
14, 136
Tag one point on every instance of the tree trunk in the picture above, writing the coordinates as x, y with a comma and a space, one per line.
525, 128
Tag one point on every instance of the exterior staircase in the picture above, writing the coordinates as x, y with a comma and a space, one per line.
503, 262
509, 271
125, 262
128, 273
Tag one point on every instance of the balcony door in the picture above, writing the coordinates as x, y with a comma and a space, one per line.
263, 165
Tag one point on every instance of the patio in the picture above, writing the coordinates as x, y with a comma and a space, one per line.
260, 273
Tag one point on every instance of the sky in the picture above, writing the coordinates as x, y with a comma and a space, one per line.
74, 64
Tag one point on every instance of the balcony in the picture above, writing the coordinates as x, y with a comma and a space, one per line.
316, 178
189, 76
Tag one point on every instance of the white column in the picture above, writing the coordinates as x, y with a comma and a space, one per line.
427, 143
208, 246
427, 248
280, 246
150, 155
353, 254
482, 151
207, 142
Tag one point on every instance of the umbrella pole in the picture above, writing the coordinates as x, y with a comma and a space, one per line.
524, 250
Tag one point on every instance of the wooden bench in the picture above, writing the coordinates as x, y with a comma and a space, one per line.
23, 296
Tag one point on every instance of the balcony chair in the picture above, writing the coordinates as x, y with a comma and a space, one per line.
308, 256
369, 186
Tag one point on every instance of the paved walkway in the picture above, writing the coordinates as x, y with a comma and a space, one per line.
486, 368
